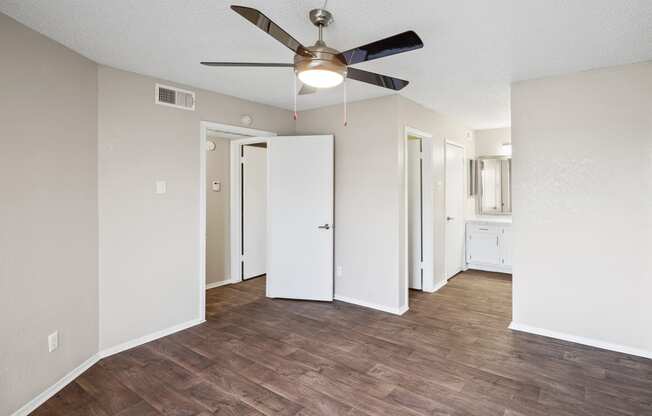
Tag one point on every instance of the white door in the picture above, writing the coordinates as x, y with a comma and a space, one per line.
454, 209
415, 214
300, 217
254, 212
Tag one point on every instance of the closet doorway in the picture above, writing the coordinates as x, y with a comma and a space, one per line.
420, 210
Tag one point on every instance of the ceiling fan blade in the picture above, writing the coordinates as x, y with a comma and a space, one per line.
257, 64
377, 79
274, 30
307, 89
403, 42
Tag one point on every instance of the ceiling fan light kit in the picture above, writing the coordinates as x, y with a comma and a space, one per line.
320, 66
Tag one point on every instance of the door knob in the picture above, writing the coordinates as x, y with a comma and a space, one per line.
325, 227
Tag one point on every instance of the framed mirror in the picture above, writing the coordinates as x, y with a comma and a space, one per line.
494, 185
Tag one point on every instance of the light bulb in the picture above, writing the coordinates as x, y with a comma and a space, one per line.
320, 78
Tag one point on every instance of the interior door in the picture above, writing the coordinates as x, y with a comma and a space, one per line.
415, 214
454, 209
254, 212
300, 217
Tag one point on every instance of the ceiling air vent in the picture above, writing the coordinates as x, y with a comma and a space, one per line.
174, 97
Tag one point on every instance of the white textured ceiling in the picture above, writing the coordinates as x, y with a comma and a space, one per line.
473, 48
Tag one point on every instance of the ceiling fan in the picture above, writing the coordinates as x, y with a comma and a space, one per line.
320, 66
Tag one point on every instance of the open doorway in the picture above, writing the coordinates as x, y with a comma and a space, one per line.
280, 224
219, 173
419, 174
251, 171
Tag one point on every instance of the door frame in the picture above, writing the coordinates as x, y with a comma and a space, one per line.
462, 196
235, 204
428, 284
233, 132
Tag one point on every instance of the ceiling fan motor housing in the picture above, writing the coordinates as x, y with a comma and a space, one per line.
324, 58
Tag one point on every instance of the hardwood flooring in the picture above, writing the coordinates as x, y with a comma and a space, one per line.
451, 354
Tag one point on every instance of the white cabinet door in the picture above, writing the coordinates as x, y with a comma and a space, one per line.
506, 246
484, 247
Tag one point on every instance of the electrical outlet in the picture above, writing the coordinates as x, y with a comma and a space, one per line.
53, 341
338, 271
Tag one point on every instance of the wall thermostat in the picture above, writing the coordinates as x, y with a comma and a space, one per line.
210, 145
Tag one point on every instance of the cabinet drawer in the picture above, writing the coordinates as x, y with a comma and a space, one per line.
480, 228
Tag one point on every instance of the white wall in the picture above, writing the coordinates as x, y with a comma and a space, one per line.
583, 206
217, 211
48, 212
490, 142
367, 197
149, 243
442, 128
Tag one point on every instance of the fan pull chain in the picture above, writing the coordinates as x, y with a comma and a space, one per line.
294, 82
345, 112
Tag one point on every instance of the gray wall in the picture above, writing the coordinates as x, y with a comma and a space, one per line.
48, 212
582, 198
367, 185
149, 243
370, 234
217, 212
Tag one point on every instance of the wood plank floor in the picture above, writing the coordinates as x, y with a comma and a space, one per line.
451, 354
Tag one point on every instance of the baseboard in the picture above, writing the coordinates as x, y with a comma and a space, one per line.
54, 389
218, 284
147, 338
489, 268
403, 309
437, 287
395, 311
580, 340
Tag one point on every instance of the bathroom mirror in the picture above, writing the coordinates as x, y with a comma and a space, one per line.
494, 185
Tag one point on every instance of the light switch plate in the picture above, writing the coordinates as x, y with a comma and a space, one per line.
53, 341
216, 186
161, 187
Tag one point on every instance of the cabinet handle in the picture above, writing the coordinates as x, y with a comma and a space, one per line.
483, 229
497, 245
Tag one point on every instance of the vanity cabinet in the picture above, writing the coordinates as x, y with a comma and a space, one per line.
489, 246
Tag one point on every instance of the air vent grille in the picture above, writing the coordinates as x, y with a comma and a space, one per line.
166, 96
175, 97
